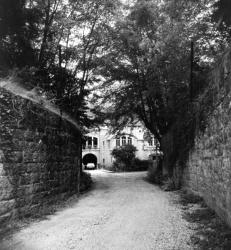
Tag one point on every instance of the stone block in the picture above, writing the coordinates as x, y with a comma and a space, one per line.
14, 157
32, 167
29, 157
24, 191
2, 171
23, 201
18, 135
24, 179
6, 206
17, 144
29, 135
5, 218
35, 177
33, 147
2, 157
39, 187
6, 188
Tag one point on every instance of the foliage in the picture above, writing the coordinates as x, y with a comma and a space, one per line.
64, 49
140, 165
124, 156
17, 30
85, 181
154, 174
149, 72
150, 59
222, 14
135, 165
52, 46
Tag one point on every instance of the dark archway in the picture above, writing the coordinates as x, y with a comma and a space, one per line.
89, 158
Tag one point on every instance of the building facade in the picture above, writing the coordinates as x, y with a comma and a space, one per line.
99, 144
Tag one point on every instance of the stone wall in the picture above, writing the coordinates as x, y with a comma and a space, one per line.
208, 172
40, 157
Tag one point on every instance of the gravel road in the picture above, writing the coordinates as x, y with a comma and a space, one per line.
122, 212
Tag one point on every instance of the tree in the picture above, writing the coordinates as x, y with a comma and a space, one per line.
222, 14
147, 70
17, 30
53, 45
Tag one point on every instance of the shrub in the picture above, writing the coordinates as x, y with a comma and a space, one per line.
124, 156
85, 181
140, 165
168, 185
154, 174
118, 167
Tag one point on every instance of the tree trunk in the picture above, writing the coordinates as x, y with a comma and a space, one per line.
167, 147
171, 166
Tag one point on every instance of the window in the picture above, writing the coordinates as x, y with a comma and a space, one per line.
89, 142
95, 142
108, 144
129, 140
123, 140
117, 142
150, 142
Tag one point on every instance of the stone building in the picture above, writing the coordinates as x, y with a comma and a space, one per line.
100, 142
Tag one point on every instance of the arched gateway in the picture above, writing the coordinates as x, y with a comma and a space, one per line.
89, 158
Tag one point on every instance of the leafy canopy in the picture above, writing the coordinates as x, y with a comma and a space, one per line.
147, 69
53, 46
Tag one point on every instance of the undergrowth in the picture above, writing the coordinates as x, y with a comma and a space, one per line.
86, 182
210, 232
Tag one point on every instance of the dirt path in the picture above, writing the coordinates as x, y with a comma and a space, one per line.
123, 212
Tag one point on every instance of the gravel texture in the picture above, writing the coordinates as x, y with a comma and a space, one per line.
122, 212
